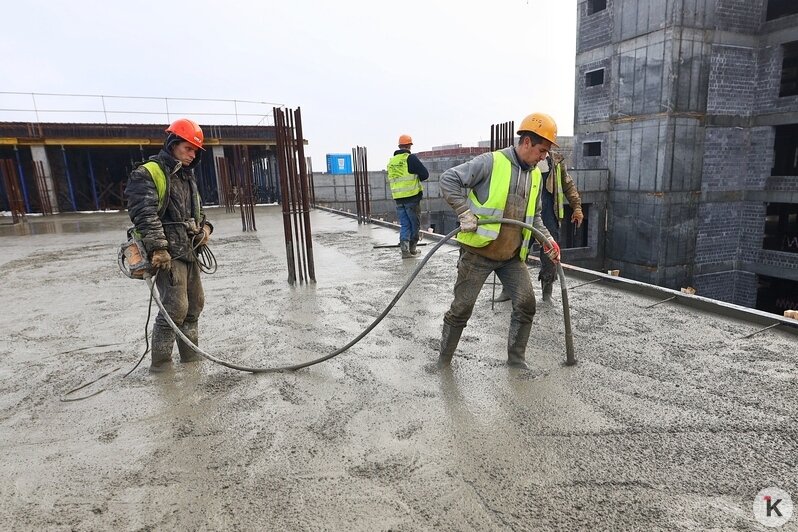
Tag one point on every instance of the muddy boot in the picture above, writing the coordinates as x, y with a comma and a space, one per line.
503, 296
547, 288
187, 354
404, 246
413, 250
516, 344
449, 340
161, 349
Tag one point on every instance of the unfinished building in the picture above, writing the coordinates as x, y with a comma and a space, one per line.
67, 167
692, 107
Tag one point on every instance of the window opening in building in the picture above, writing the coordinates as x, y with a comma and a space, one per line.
781, 8
572, 236
594, 78
785, 150
781, 227
592, 149
789, 69
594, 6
776, 295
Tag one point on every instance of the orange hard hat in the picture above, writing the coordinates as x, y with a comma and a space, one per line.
405, 139
542, 125
187, 130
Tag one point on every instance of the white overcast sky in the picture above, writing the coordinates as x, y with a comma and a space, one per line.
362, 72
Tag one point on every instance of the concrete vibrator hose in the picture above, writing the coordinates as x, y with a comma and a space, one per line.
569, 345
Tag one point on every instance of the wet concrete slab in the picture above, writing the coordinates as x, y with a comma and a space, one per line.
669, 421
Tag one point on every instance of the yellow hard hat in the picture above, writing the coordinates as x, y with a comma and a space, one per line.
542, 125
405, 139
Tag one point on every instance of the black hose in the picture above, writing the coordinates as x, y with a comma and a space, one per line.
570, 360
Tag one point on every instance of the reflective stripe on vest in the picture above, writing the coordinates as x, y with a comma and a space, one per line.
560, 193
161, 184
493, 207
403, 183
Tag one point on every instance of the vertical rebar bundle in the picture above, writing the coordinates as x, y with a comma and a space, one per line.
362, 186
502, 135
246, 187
312, 183
11, 185
41, 186
295, 195
227, 193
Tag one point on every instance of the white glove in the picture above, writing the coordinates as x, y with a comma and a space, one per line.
468, 221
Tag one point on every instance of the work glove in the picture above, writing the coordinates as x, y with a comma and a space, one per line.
552, 250
202, 237
577, 217
161, 259
468, 221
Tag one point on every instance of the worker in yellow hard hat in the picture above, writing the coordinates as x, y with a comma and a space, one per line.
165, 207
405, 174
502, 184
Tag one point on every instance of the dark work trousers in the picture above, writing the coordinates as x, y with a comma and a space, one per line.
182, 295
472, 270
548, 272
409, 215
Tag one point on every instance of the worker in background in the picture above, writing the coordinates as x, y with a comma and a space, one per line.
501, 184
165, 206
405, 173
559, 185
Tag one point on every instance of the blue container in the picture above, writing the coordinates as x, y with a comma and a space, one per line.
339, 163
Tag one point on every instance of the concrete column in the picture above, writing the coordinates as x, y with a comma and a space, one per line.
218, 151
40, 155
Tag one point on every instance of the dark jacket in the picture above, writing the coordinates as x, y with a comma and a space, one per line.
169, 230
414, 166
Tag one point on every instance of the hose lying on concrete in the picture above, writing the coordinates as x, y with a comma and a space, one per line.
569, 347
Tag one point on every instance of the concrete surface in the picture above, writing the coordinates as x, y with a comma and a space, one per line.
669, 421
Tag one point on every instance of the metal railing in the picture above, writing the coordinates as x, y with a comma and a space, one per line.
98, 108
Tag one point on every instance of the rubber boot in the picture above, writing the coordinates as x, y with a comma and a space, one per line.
161, 349
516, 344
404, 246
449, 340
413, 249
547, 288
187, 354
503, 296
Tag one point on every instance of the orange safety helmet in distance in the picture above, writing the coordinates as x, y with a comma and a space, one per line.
405, 139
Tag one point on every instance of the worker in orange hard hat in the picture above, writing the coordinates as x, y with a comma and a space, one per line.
502, 184
405, 174
166, 209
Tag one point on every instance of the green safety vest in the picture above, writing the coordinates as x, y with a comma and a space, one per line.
494, 206
403, 183
162, 186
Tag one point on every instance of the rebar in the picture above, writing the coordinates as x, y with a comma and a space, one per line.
294, 192
246, 188
362, 196
12, 188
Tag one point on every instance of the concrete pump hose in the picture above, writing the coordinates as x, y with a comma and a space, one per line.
570, 359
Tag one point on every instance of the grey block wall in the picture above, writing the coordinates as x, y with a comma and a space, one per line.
338, 191
685, 119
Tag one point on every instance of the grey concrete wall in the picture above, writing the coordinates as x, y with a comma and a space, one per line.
338, 192
685, 119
